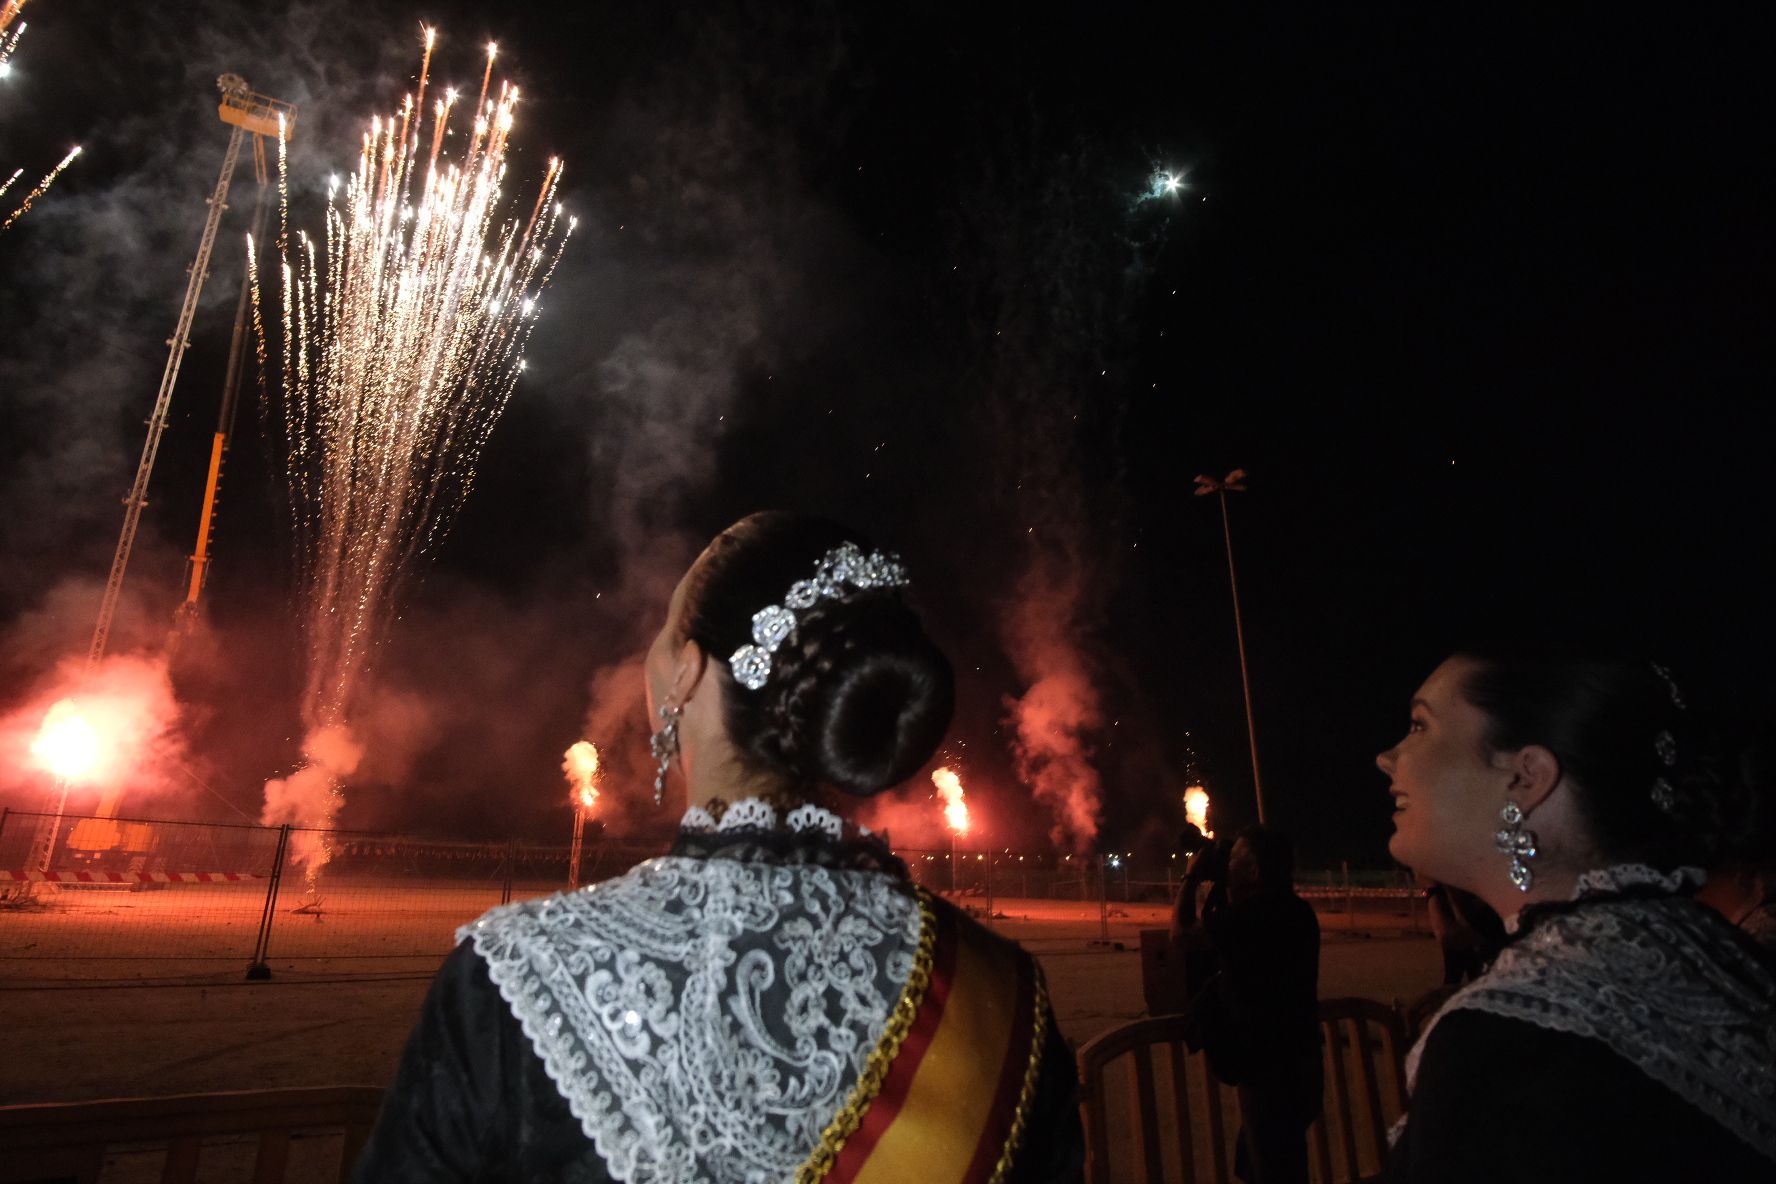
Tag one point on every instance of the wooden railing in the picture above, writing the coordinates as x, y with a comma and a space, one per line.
1176, 1121
68, 1142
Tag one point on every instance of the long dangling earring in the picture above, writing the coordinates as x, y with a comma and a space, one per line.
1517, 841
664, 745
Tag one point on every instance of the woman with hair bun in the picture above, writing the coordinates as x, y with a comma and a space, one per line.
773, 999
1625, 1031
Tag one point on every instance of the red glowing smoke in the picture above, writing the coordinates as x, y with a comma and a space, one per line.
1053, 719
310, 797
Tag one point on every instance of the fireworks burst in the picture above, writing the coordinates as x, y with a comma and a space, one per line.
42, 188
401, 335
9, 43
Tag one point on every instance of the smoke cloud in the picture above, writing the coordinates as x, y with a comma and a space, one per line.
1052, 721
310, 796
717, 241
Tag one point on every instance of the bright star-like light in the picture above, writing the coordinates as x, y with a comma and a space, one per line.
1164, 184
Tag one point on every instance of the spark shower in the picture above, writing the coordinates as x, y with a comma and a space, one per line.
396, 342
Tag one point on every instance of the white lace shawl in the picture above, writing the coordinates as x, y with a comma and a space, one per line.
1656, 982
706, 1018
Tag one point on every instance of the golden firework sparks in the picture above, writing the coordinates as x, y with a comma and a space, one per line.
9, 44
42, 188
402, 329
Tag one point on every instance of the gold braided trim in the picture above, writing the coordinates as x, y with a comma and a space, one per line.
1038, 1038
900, 1022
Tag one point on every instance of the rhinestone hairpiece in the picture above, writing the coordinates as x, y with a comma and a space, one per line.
844, 565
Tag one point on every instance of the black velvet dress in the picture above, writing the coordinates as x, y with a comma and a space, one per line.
1499, 1099
1627, 1035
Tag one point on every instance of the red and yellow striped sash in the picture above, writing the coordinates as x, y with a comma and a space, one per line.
944, 1097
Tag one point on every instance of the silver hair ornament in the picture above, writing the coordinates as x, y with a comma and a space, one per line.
844, 565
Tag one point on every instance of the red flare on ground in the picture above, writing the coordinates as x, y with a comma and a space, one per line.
580, 763
1196, 809
67, 745
949, 788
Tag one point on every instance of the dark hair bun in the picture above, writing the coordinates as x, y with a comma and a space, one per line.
859, 696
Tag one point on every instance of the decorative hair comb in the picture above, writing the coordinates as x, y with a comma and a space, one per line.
844, 565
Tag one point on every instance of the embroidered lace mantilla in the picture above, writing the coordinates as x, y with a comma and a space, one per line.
705, 1018
1660, 981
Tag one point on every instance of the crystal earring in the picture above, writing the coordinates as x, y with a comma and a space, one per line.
664, 746
1517, 841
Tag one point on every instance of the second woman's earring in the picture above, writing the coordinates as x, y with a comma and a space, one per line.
664, 745
1519, 842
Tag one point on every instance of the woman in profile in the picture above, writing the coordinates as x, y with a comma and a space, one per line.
773, 999
1625, 1031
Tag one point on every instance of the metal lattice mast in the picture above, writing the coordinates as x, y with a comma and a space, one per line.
247, 113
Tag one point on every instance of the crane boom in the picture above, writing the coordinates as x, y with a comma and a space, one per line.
248, 114
157, 419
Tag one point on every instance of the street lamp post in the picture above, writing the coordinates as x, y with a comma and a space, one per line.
1236, 483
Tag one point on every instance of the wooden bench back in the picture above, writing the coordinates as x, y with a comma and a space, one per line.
66, 1142
1176, 1121
1192, 1137
1364, 1051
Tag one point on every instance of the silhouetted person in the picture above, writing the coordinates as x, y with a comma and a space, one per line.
1205, 876
1258, 1016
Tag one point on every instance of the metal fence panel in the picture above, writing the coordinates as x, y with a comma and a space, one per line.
81, 887
83, 897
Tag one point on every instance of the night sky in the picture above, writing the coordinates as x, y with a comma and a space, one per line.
1483, 305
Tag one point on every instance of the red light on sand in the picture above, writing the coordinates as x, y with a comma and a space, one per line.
66, 745
949, 788
580, 763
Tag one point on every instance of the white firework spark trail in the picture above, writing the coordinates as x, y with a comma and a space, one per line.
402, 332
42, 188
8, 46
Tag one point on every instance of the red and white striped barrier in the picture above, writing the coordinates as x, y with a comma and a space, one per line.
37, 877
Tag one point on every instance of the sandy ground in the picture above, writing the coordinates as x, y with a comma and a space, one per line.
346, 985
